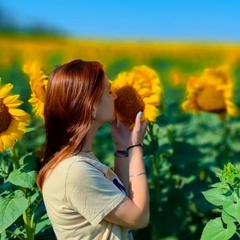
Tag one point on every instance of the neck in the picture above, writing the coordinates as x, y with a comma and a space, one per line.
87, 147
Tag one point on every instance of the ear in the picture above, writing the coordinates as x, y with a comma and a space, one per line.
94, 111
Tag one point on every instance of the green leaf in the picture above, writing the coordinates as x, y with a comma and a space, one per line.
214, 230
221, 185
227, 218
214, 196
11, 209
3, 235
233, 209
23, 178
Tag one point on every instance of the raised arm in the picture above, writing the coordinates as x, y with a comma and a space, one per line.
133, 211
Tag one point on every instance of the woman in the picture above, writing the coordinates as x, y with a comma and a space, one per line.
83, 197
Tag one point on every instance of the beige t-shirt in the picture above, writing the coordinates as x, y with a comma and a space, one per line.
78, 194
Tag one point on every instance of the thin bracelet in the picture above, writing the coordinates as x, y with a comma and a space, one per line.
136, 175
121, 153
136, 145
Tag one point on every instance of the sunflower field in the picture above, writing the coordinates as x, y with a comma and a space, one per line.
191, 150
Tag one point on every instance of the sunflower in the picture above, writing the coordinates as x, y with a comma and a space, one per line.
137, 90
211, 92
38, 83
13, 121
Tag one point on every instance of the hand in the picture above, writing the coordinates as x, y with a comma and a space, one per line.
121, 134
139, 130
123, 137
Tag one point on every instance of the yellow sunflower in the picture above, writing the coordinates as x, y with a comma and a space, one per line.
38, 83
13, 121
137, 90
211, 92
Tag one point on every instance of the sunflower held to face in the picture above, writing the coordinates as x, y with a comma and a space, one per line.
137, 90
13, 121
212, 92
38, 83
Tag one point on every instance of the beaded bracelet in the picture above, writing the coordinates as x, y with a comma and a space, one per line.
121, 153
136, 145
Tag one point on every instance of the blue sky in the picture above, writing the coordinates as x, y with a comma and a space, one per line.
173, 20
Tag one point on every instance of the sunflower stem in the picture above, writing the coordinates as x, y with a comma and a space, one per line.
28, 225
30, 230
33, 222
156, 171
225, 147
16, 163
156, 176
155, 164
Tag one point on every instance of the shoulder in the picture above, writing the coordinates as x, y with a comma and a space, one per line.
84, 167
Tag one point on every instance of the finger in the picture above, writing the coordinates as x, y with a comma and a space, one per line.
145, 124
138, 121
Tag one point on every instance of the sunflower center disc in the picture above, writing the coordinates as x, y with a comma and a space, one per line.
5, 117
128, 103
211, 100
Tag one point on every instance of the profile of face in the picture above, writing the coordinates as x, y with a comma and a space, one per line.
105, 111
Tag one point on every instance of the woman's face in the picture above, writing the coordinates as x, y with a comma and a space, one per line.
105, 109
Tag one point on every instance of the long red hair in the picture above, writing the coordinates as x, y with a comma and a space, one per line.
73, 89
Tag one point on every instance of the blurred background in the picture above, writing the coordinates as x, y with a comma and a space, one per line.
198, 21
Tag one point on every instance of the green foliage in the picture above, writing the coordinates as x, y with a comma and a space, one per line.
215, 230
226, 196
22, 177
11, 207
23, 214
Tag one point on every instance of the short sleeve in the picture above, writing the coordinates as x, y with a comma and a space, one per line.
90, 193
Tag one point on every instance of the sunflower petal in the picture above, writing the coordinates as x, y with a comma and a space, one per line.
5, 89
12, 101
151, 100
38, 81
151, 113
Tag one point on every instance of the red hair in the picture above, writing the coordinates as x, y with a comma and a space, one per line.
73, 90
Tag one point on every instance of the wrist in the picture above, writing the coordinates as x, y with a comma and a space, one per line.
135, 145
121, 147
121, 153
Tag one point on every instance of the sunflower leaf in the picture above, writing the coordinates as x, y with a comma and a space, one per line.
232, 208
215, 230
215, 196
23, 178
11, 208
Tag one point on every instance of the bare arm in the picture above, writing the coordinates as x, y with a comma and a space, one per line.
121, 135
133, 211
121, 168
